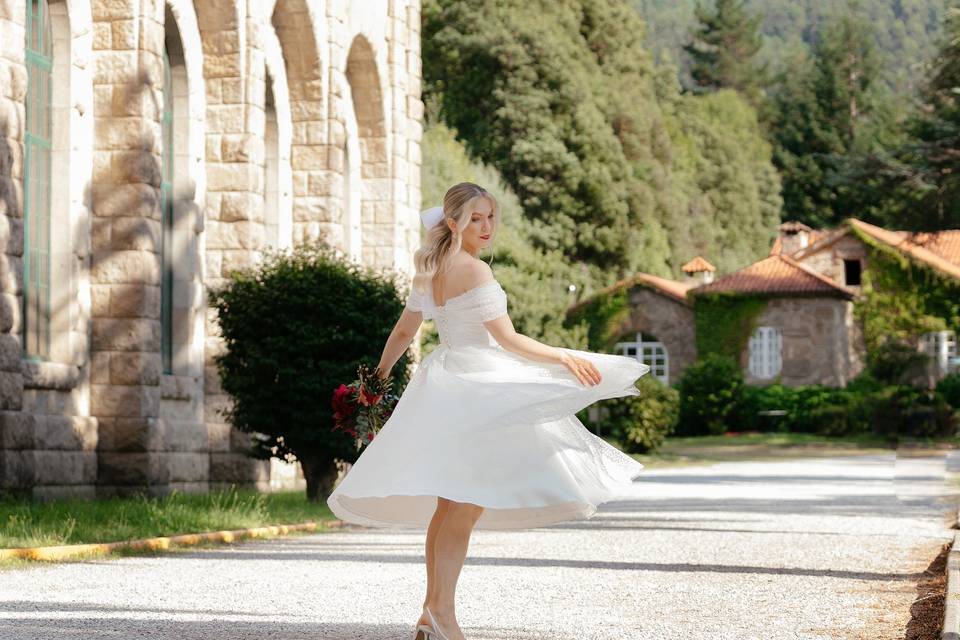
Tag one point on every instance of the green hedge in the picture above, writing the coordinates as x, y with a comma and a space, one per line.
640, 423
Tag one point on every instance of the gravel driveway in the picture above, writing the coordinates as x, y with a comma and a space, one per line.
812, 548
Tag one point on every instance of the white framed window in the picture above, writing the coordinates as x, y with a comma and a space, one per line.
766, 352
649, 351
942, 347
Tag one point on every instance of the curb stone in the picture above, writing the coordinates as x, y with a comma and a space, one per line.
160, 543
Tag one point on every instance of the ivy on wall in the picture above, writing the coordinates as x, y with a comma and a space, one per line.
903, 298
724, 322
605, 316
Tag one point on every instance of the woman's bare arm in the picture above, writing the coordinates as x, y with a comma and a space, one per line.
506, 335
399, 341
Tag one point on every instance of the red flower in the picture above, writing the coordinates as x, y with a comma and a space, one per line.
342, 405
367, 398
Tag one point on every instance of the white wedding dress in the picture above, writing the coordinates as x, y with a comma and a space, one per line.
480, 424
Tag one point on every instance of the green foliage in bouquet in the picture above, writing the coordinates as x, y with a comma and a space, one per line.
295, 327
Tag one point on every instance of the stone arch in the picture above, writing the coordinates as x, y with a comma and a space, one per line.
71, 157
366, 102
278, 182
188, 188
295, 27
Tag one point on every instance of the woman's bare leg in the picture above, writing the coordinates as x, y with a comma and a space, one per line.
453, 539
430, 546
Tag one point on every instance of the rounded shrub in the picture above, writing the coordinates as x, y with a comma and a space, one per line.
294, 328
711, 393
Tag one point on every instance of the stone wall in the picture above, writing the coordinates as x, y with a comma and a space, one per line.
291, 120
822, 343
667, 320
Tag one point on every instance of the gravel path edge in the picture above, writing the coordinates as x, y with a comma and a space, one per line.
159, 543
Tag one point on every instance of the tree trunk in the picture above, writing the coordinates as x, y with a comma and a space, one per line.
320, 474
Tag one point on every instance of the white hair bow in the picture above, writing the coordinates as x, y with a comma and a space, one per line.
431, 216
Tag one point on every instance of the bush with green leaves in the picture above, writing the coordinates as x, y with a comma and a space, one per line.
641, 423
949, 388
295, 327
905, 411
711, 392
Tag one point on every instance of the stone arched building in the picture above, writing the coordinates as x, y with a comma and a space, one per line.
147, 147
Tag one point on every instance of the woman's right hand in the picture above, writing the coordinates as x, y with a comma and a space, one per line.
585, 370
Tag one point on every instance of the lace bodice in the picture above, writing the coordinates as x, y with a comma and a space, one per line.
460, 319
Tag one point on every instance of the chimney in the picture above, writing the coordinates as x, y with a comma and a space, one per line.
794, 236
698, 271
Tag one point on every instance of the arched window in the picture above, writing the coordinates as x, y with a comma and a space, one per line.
36, 182
649, 351
766, 347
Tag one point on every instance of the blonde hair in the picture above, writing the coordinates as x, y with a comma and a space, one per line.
441, 244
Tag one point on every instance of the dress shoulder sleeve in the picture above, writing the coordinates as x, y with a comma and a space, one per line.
415, 300
491, 303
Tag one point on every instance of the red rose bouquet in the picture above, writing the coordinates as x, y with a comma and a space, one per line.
362, 407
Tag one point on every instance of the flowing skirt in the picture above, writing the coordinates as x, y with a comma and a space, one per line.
482, 425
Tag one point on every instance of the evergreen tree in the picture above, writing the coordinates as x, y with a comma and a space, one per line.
723, 50
612, 165
821, 115
918, 181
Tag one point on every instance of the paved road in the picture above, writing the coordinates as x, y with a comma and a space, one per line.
813, 548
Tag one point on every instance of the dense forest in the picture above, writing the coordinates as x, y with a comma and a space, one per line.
905, 31
612, 159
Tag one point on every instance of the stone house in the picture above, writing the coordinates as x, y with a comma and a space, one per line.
807, 333
148, 147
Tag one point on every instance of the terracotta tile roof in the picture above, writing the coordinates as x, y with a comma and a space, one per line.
670, 288
777, 274
945, 244
941, 250
697, 265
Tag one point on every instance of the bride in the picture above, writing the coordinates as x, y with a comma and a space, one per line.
484, 435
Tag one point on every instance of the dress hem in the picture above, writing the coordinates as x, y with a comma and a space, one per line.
542, 515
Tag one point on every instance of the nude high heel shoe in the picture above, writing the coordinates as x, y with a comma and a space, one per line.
434, 633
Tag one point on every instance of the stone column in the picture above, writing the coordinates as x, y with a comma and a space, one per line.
16, 431
126, 236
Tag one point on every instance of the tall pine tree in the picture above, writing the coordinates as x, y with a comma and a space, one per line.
821, 115
722, 50
918, 183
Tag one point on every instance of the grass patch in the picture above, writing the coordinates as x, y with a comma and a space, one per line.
32, 524
756, 446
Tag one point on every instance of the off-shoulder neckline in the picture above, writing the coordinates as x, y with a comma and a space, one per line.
460, 295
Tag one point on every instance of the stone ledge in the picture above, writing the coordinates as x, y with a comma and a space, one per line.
49, 375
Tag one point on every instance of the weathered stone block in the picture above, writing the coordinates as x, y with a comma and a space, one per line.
11, 390
135, 368
137, 233
242, 205
126, 334
65, 467
134, 301
124, 401
16, 430
123, 468
119, 267
17, 469
235, 235
236, 468
186, 467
